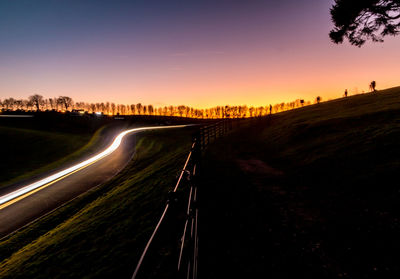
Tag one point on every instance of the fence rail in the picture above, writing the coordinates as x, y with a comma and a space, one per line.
187, 255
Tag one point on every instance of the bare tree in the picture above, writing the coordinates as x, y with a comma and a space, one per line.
372, 86
133, 109
181, 110
113, 108
36, 100
139, 108
122, 110
150, 109
65, 101
171, 110
251, 110
52, 103
19, 104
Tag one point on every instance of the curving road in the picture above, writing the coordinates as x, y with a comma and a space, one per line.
27, 203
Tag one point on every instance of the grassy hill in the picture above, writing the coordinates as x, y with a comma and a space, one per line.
308, 193
28, 152
47, 141
102, 233
32, 146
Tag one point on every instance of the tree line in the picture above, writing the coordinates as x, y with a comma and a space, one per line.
64, 103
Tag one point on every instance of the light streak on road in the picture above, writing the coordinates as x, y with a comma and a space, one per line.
25, 191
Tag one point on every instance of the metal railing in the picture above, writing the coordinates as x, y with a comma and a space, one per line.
188, 251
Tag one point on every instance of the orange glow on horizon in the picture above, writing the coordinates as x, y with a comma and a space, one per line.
204, 64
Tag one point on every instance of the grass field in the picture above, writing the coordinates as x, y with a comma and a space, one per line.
34, 146
101, 233
309, 193
27, 152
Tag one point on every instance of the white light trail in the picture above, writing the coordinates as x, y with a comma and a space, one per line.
115, 144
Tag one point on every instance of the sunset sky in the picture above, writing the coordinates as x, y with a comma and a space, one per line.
198, 53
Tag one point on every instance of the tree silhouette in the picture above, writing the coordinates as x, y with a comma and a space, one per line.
372, 86
171, 111
37, 101
361, 20
318, 99
150, 109
9, 103
52, 103
139, 108
133, 109
181, 110
65, 101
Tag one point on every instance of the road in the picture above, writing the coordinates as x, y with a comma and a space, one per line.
27, 203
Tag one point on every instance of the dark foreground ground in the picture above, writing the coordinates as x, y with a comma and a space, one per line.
101, 233
311, 193
36, 146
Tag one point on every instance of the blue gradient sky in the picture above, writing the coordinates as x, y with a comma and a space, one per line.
198, 53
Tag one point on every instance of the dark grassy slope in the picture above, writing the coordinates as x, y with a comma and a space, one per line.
101, 234
311, 193
31, 146
26, 151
